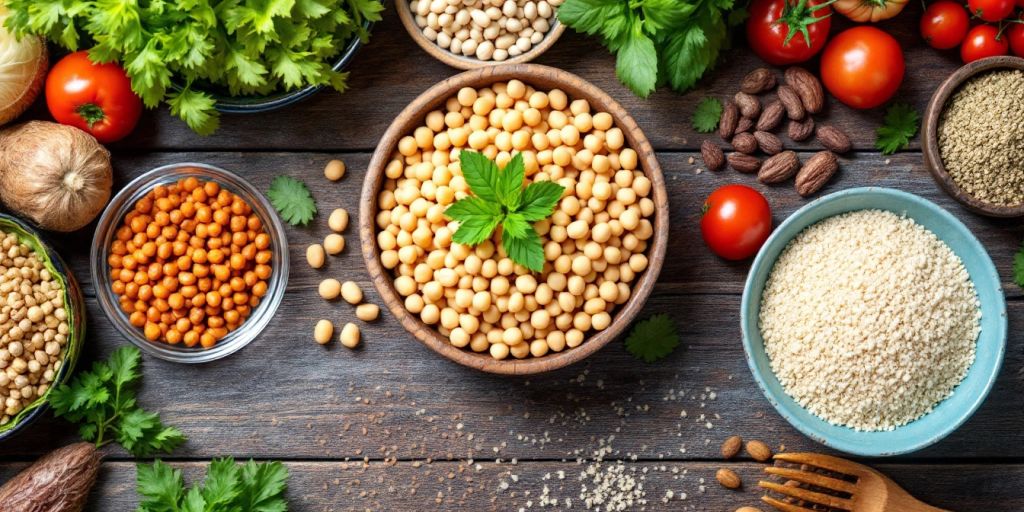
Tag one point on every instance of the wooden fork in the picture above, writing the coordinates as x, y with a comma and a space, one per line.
868, 490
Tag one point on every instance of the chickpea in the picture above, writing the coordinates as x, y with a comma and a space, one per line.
315, 255
338, 220
323, 331
329, 289
351, 292
368, 312
334, 244
350, 335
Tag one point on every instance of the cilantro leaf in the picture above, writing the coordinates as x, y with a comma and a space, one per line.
706, 115
653, 339
292, 200
160, 485
901, 124
481, 174
527, 251
228, 487
102, 401
196, 109
1018, 267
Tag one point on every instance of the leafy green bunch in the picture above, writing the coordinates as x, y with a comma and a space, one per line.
228, 487
656, 42
102, 401
177, 51
499, 199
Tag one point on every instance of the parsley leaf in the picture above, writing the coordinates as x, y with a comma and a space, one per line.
102, 402
292, 200
653, 339
499, 199
636, 63
901, 124
706, 115
1018, 267
228, 487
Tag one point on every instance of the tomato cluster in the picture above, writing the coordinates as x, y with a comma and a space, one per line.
946, 24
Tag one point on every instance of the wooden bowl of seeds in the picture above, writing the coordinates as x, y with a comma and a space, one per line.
971, 138
441, 45
394, 168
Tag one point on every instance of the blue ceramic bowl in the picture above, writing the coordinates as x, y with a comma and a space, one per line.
948, 415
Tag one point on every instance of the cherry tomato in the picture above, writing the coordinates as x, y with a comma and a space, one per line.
1015, 37
97, 98
862, 67
944, 24
736, 221
774, 29
983, 41
991, 10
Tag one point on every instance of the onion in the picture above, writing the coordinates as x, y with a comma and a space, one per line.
55, 175
22, 71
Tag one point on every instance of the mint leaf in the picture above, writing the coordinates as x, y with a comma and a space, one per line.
540, 199
527, 251
481, 174
477, 219
511, 183
515, 226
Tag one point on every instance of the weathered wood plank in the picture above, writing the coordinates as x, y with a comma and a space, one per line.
344, 486
392, 70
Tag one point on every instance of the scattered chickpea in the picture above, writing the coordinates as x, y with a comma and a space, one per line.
334, 244
350, 335
367, 312
351, 292
335, 170
315, 255
323, 331
338, 221
329, 289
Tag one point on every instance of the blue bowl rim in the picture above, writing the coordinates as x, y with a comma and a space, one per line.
258, 104
746, 323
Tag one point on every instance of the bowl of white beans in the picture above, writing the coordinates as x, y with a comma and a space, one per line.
603, 244
468, 34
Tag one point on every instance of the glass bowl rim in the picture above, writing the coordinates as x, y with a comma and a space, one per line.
119, 207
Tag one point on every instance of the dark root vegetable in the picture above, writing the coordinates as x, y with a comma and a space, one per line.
58, 482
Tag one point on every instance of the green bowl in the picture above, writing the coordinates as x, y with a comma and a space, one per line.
949, 414
75, 306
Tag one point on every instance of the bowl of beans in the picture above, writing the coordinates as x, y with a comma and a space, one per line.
468, 34
603, 243
42, 319
190, 262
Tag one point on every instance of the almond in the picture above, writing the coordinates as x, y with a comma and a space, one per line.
731, 447
808, 87
776, 169
833, 139
771, 116
713, 157
744, 143
744, 163
727, 123
744, 125
800, 130
791, 100
749, 105
768, 142
758, 81
728, 478
813, 175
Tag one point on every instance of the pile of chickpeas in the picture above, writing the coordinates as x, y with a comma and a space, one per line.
486, 29
190, 263
34, 327
594, 242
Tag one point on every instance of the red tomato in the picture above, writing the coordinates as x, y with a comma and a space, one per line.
97, 98
991, 10
736, 221
862, 67
774, 29
944, 24
1015, 37
983, 41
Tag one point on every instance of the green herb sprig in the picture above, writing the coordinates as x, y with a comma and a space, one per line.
102, 401
499, 199
292, 199
706, 115
653, 339
901, 124
228, 487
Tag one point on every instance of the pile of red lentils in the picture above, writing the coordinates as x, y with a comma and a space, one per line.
190, 263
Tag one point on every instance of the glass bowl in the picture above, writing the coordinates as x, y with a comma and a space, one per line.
74, 305
125, 200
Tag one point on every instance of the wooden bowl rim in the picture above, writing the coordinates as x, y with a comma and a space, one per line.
930, 139
466, 63
542, 77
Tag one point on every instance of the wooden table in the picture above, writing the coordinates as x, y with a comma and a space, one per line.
394, 427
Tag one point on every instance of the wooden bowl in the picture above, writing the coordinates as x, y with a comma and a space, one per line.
463, 62
541, 77
930, 137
